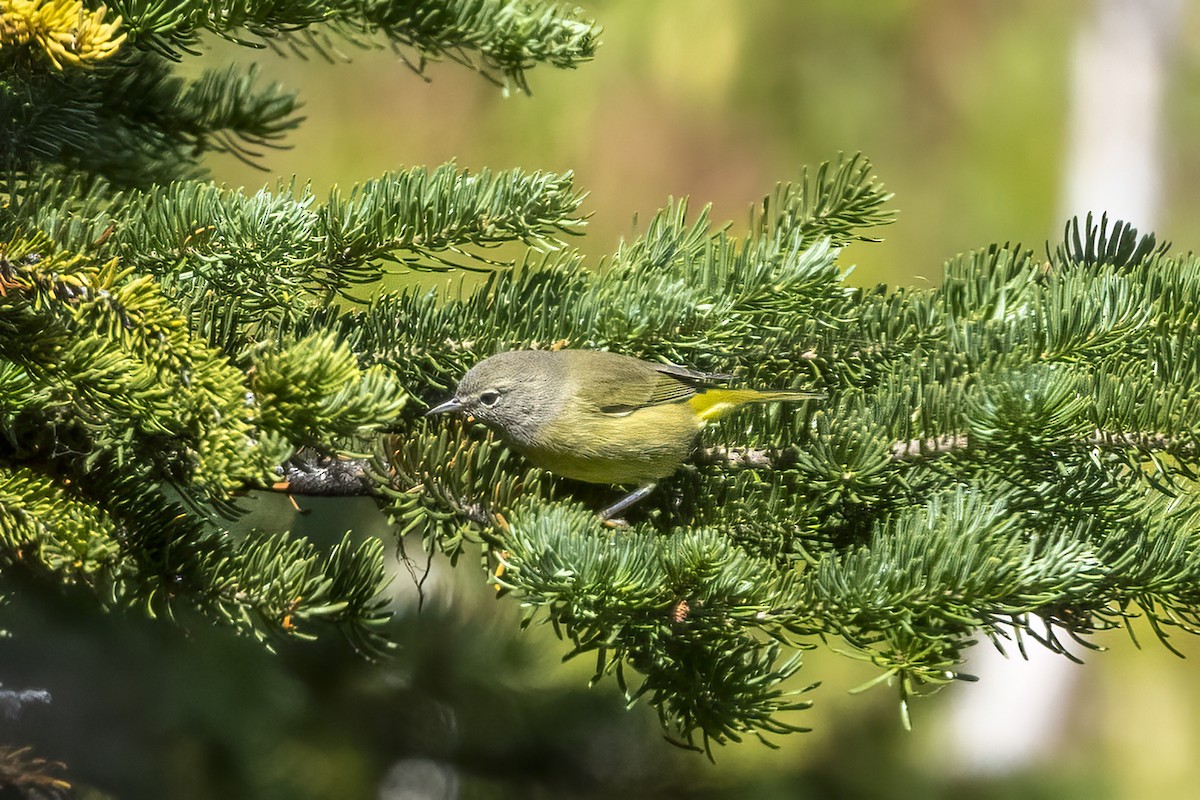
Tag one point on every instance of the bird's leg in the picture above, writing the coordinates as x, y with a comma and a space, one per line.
628, 500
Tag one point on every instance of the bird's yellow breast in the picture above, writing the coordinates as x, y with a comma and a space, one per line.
635, 447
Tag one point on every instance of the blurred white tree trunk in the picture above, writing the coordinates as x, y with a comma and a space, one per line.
1119, 67
1118, 75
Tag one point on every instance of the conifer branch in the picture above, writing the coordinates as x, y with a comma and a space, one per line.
944, 445
107, 399
31, 776
66, 33
277, 248
133, 123
315, 474
502, 39
1022, 368
311, 473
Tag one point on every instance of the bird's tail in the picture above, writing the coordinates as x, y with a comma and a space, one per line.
711, 404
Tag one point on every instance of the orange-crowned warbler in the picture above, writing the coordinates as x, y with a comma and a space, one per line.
598, 417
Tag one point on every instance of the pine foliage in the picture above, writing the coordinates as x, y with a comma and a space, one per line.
1010, 456
983, 467
147, 374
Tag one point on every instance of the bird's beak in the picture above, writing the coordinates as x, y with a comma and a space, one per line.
452, 404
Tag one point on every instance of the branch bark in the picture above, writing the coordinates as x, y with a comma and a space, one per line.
318, 474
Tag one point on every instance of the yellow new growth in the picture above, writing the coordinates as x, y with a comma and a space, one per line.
63, 28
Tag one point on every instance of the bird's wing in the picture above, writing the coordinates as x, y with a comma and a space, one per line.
630, 384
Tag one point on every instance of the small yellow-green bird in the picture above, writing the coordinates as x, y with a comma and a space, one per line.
596, 416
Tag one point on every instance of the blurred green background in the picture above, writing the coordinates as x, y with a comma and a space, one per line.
963, 107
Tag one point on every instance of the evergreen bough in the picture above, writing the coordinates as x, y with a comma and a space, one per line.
1010, 456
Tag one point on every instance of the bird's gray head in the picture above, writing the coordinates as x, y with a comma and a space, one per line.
514, 393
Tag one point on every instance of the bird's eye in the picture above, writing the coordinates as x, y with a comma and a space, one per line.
489, 398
